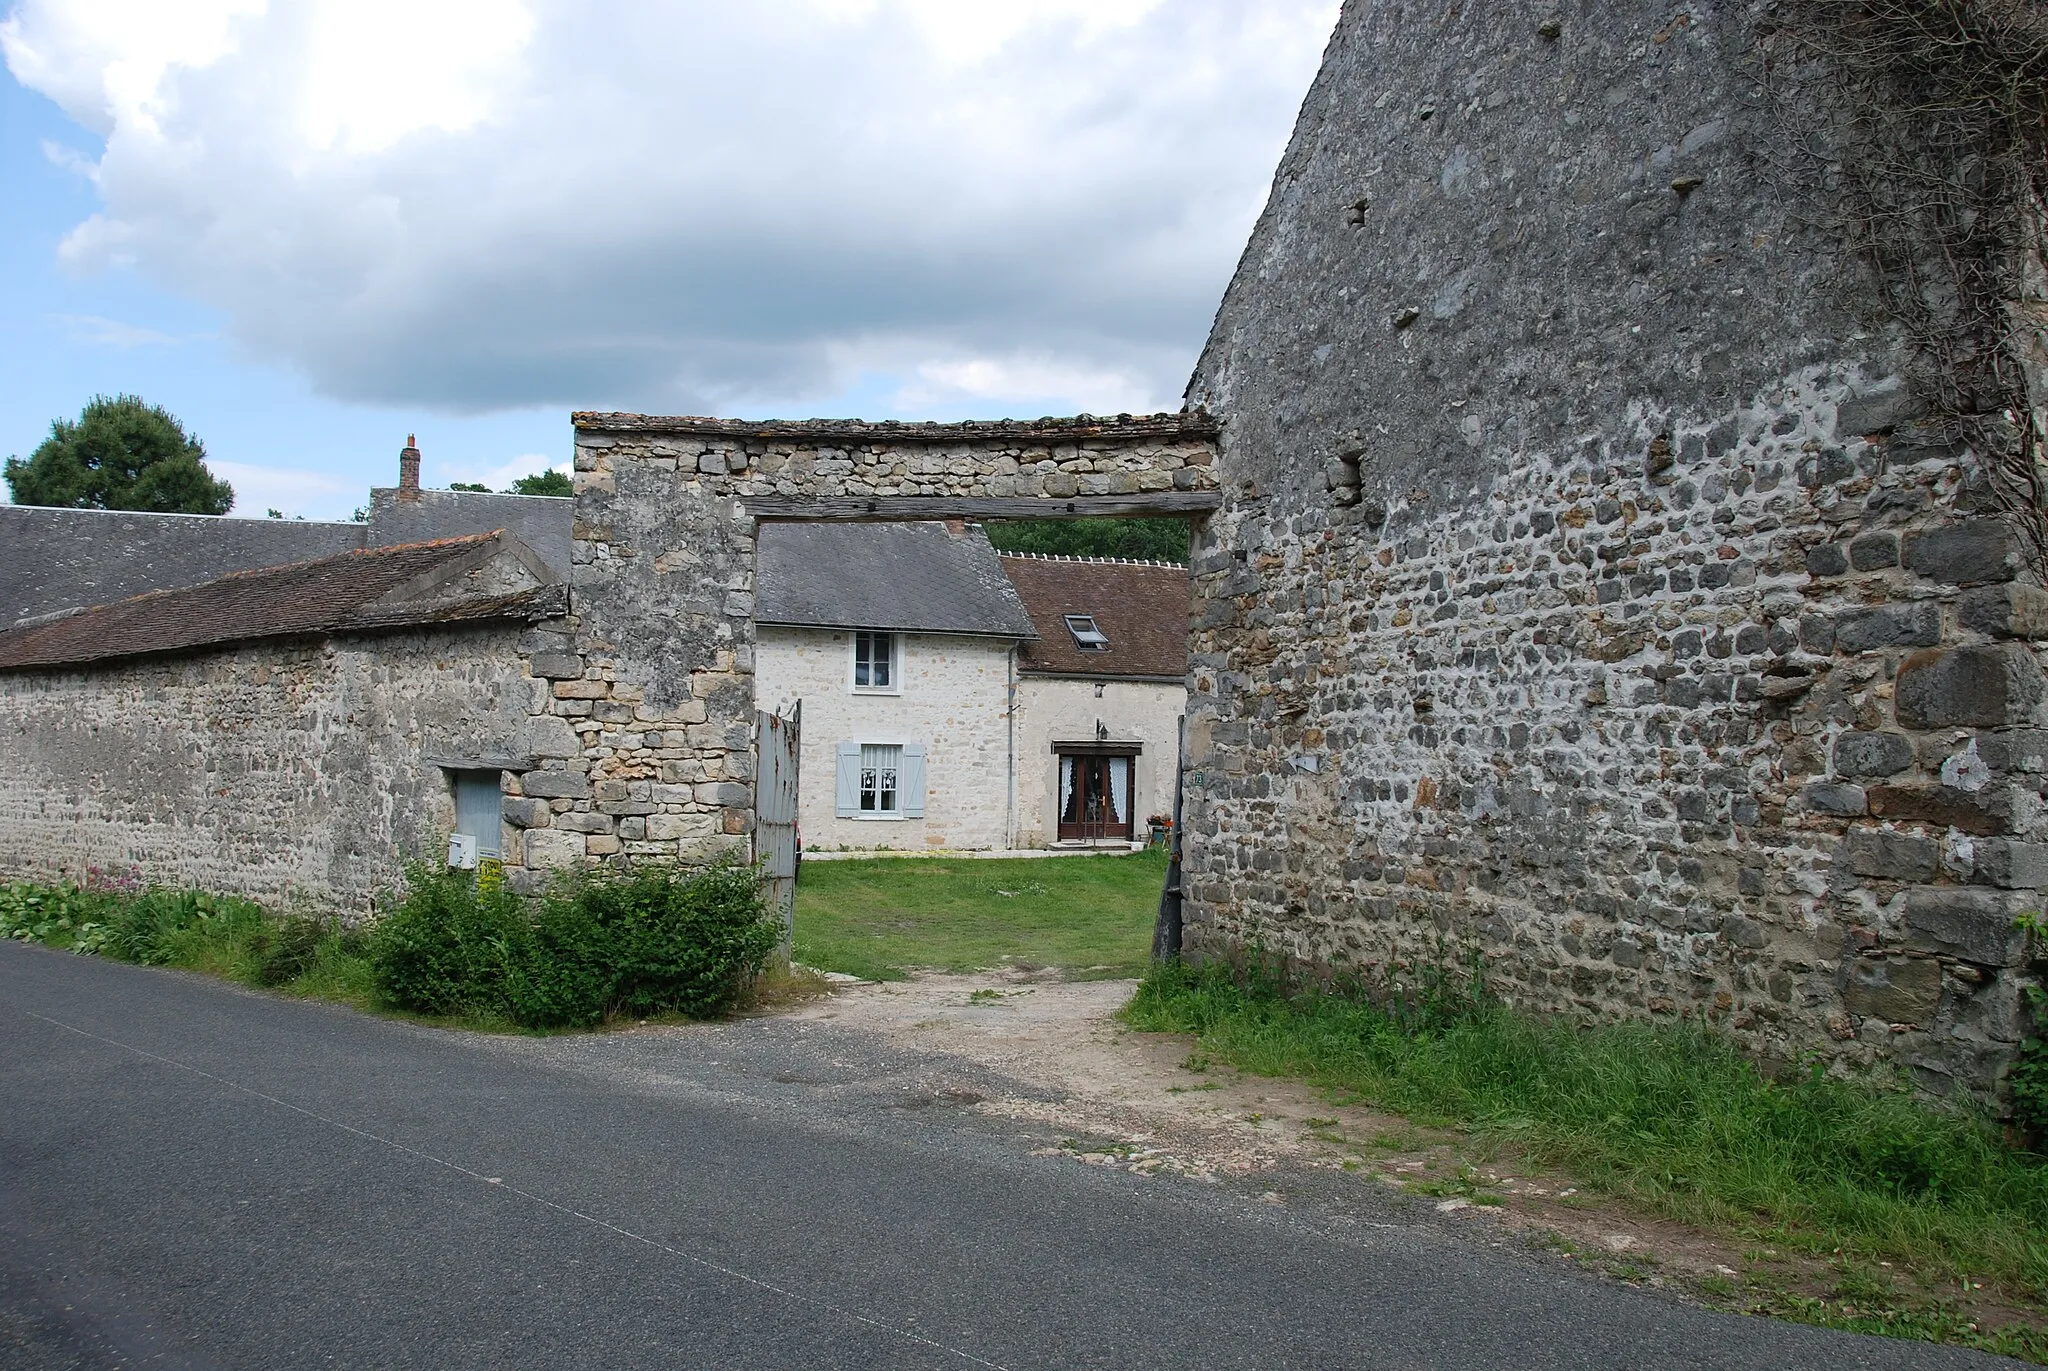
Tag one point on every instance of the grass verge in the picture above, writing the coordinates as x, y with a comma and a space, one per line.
880, 917
1676, 1119
655, 945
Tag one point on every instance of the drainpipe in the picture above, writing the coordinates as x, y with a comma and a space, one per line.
1010, 759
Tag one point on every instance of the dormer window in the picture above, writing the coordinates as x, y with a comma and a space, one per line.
1087, 637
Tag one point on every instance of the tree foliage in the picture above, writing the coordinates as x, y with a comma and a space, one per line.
1148, 540
120, 453
543, 483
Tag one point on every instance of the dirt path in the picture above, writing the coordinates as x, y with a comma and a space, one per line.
1151, 1103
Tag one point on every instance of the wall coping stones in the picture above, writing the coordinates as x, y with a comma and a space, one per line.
1186, 424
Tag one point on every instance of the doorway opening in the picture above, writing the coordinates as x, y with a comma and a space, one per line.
1095, 792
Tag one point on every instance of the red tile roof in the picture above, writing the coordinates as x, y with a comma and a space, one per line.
330, 595
1141, 607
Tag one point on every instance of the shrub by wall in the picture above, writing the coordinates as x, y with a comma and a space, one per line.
599, 944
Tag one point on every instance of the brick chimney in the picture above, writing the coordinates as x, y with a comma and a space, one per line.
409, 470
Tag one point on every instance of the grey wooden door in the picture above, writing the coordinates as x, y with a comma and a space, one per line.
777, 750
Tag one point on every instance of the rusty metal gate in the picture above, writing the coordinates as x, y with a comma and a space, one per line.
777, 750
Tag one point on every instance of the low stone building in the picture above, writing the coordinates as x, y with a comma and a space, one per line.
294, 733
58, 559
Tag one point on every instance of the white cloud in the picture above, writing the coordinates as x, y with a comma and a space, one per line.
498, 477
1023, 381
286, 489
100, 332
693, 206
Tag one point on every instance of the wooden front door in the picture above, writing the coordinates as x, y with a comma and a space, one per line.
1095, 797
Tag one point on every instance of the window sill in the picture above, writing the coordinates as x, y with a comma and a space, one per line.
878, 818
877, 690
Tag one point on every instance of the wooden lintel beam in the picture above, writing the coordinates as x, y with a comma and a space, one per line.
874, 509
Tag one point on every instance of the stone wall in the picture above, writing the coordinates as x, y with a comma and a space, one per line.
1588, 591
301, 772
953, 698
654, 672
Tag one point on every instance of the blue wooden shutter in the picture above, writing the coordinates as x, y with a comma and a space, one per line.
846, 788
480, 810
910, 780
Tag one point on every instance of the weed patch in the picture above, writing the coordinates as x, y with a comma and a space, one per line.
1675, 1118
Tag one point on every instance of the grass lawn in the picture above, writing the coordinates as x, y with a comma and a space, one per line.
879, 917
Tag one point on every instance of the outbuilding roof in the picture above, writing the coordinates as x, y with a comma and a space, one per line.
924, 577
484, 576
1141, 608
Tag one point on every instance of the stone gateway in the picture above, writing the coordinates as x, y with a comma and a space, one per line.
1594, 571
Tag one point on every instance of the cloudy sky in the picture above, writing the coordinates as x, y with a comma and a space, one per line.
309, 227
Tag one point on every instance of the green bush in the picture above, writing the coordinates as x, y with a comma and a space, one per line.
158, 927
449, 948
599, 945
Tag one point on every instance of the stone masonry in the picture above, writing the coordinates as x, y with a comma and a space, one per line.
299, 772
654, 669
1591, 590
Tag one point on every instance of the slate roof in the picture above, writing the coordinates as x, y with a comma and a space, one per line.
1141, 607
542, 522
350, 592
909, 577
53, 559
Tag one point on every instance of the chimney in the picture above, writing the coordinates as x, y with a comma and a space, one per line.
409, 470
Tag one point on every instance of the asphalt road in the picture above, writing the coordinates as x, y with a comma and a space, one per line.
192, 1176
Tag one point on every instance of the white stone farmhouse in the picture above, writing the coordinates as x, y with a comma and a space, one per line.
955, 699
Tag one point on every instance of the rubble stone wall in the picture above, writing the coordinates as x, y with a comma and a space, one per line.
291, 772
1590, 591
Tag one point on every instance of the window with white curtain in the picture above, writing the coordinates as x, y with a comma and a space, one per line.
881, 769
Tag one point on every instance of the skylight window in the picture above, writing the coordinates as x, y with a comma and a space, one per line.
1087, 636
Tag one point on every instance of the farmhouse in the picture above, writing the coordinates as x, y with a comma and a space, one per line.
1616, 553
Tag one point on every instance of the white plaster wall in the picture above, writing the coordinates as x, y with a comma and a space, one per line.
1051, 709
953, 697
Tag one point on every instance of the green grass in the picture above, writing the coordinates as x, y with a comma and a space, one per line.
1675, 1118
880, 917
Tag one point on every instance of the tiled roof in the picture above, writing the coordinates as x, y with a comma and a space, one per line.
1184, 424
1141, 607
356, 591
910, 577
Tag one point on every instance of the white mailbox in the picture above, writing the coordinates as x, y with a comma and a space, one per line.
462, 851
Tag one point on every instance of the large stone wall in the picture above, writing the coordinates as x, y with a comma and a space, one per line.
294, 772
655, 670
1587, 591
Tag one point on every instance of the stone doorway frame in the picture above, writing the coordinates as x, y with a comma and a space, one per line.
641, 740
